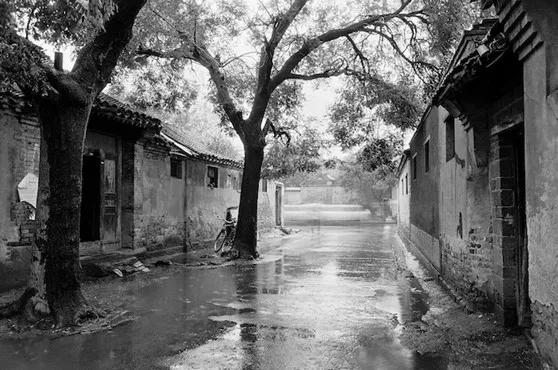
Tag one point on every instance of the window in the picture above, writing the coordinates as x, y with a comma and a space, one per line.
414, 167
229, 184
427, 156
450, 138
406, 184
264, 185
402, 188
212, 176
176, 168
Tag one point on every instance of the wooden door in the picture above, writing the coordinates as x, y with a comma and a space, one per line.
90, 199
110, 200
278, 205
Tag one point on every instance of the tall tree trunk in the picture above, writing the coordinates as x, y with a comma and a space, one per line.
246, 230
37, 305
65, 124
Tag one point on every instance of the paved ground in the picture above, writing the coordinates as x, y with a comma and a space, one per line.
327, 298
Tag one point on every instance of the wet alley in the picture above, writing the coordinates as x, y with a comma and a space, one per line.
328, 298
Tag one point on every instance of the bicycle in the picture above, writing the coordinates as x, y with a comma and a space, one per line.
225, 237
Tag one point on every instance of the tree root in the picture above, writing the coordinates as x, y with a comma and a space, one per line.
18, 306
235, 254
101, 324
88, 313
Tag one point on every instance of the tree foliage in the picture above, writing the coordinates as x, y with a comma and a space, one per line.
257, 55
155, 85
301, 154
361, 111
372, 173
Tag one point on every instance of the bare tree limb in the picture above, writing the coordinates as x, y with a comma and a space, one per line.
199, 54
312, 44
415, 64
263, 92
363, 59
315, 76
278, 132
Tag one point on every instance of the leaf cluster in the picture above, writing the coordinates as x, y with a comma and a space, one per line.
361, 109
156, 85
302, 154
60, 21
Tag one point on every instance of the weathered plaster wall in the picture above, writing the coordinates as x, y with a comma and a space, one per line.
132, 194
267, 206
403, 198
19, 155
206, 206
541, 148
162, 217
424, 217
465, 240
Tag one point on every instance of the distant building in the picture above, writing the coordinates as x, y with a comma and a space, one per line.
320, 187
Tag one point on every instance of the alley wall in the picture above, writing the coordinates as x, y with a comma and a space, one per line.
424, 216
163, 205
541, 112
465, 227
19, 156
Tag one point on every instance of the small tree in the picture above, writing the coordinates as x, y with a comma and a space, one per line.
372, 174
101, 29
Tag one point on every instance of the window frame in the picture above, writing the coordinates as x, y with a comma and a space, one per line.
264, 185
406, 184
176, 168
414, 163
210, 178
426, 149
450, 149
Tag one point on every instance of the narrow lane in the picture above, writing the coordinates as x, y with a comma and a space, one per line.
332, 299
328, 298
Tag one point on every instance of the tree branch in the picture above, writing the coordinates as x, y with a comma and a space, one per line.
278, 132
415, 64
267, 53
363, 59
312, 44
198, 53
315, 76
97, 59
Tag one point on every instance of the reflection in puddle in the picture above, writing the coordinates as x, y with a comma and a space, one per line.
409, 303
389, 354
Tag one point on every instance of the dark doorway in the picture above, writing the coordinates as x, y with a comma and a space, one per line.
278, 205
91, 199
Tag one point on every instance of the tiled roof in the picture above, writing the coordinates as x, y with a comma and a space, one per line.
486, 33
104, 105
196, 149
119, 111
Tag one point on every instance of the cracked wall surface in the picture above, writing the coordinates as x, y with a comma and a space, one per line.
541, 139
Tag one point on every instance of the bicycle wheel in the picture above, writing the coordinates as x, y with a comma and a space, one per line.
229, 241
219, 240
